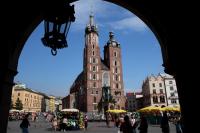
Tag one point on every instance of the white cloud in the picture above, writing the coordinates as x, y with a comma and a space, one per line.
107, 13
131, 23
83, 9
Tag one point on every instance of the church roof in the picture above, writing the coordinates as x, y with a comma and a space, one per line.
79, 77
103, 66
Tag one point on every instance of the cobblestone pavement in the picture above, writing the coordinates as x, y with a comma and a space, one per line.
42, 126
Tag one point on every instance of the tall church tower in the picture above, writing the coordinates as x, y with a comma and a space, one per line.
92, 68
112, 58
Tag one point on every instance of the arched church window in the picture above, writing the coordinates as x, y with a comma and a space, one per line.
116, 70
117, 85
93, 68
115, 63
94, 77
93, 60
116, 77
105, 79
115, 53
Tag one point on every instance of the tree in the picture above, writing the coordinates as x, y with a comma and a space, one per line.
18, 104
106, 99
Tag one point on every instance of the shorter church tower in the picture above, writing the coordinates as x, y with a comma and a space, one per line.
112, 58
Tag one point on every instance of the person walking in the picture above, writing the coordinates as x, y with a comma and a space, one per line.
143, 125
178, 125
134, 123
126, 126
25, 124
55, 123
86, 121
64, 123
165, 123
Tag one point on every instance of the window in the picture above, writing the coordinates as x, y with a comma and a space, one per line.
154, 91
170, 82
173, 100
117, 85
161, 91
172, 94
93, 46
94, 77
18, 94
93, 60
115, 63
115, 53
93, 53
153, 84
171, 88
95, 99
116, 70
93, 68
155, 99
97, 92
160, 84
162, 99
116, 77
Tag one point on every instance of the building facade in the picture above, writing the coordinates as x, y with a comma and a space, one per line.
131, 101
153, 89
99, 73
52, 106
171, 90
160, 90
31, 100
139, 100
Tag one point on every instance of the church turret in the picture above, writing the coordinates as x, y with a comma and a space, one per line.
111, 41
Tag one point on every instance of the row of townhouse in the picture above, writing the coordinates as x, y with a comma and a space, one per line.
34, 101
157, 90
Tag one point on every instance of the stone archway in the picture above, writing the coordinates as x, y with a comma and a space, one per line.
155, 14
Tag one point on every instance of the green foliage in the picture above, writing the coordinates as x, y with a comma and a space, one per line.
18, 104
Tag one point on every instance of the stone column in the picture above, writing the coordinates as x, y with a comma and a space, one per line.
174, 65
6, 84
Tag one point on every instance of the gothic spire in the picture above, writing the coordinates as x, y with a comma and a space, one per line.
91, 27
91, 20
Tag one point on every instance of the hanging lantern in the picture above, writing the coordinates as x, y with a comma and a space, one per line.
56, 24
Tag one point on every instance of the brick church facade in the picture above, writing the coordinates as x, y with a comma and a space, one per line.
87, 93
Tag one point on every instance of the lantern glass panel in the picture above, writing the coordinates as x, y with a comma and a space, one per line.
51, 24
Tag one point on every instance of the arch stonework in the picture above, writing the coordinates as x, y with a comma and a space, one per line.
17, 27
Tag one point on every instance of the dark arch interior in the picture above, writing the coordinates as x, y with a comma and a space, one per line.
155, 14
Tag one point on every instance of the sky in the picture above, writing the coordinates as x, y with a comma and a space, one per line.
53, 75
